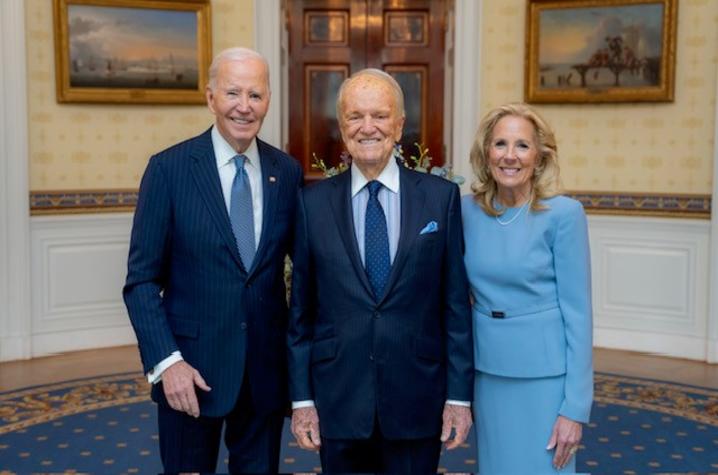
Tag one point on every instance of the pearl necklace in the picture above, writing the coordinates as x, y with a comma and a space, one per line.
518, 213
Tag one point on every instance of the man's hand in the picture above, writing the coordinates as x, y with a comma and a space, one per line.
178, 382
565, 437
458, 418
305, 427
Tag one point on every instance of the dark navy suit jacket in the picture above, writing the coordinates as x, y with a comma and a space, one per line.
186, 287
395, 360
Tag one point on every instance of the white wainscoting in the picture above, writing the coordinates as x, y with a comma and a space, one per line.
650, 284
79, 265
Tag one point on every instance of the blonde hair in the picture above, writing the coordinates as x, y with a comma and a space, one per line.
545, 181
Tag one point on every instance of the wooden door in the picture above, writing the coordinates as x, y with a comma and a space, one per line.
331, 39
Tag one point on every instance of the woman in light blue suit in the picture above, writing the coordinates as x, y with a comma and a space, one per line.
528, 262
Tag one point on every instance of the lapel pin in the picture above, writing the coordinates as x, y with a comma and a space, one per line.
272, 179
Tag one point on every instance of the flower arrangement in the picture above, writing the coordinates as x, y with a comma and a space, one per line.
420, 163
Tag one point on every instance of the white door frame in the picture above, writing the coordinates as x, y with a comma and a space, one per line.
15, 320
268, 41
712, 349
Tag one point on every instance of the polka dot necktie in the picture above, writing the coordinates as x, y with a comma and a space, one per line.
241, 213
376, 242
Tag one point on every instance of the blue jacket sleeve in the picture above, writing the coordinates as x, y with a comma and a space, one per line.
457, 312
301, 312
147, 265
572, 264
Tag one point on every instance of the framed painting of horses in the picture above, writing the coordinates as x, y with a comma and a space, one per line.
600, 50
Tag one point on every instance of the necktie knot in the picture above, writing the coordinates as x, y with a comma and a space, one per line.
374, 187
239, 161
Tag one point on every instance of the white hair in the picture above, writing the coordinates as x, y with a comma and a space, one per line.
378, 74
234, 54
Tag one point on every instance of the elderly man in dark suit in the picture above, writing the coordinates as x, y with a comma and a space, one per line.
205, 289
380, 348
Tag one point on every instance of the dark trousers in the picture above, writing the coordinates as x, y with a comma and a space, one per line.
380, 455
192, 445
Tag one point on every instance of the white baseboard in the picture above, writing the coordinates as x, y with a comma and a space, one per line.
51, 343
661, 344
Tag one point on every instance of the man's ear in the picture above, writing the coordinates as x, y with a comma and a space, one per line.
209, 95
400, 129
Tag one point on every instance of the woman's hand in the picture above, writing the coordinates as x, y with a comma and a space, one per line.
565, 437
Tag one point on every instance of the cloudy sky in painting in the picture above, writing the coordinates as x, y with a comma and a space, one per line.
132, 34
572, 35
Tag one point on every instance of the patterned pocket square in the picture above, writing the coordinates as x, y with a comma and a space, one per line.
431, 227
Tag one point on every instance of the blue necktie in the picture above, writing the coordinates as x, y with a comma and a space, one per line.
240, 212
376, 242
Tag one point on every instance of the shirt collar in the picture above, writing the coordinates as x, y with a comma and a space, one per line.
224, 153
389, 177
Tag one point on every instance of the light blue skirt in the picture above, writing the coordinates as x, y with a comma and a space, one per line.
514, 418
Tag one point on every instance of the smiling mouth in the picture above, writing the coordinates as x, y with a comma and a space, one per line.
368, 141
510, 171
241, 121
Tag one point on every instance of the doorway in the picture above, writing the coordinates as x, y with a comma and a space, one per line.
328, 40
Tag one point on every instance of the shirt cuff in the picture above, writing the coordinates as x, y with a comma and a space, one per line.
301, 404
458, 403
155, 374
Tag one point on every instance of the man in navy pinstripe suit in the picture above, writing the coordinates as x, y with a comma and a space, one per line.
211, 322
380, 348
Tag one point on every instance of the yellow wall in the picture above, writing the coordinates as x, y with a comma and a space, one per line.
657, 148
80, 146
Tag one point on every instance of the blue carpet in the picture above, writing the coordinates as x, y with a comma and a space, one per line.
108, 425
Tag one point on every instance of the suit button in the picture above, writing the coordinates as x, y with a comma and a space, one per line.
371, 357
243, 325
377, 314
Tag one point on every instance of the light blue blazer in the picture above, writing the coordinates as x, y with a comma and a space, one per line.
531, 286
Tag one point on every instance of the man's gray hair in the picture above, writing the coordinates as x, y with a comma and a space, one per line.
378, 74
234, 54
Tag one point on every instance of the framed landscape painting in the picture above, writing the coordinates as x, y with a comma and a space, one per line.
600, 50
133, 51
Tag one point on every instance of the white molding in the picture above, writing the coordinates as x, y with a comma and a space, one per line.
79, 265
650, 289
268, 25
14, 186
713, 280
676, 346
82, 339
467, 84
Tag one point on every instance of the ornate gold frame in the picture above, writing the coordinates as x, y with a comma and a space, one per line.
68, 93
663, 92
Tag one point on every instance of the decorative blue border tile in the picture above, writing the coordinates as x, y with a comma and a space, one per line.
61, 202
687, 206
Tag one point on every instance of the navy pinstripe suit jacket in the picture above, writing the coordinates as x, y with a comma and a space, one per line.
186, 287
395, 360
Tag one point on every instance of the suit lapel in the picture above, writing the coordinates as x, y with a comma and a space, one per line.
412, 202
341, 204
206, 177
270, 187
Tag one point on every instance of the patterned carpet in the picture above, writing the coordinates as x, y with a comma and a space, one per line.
107, 425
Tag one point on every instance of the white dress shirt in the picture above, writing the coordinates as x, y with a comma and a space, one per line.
223, 154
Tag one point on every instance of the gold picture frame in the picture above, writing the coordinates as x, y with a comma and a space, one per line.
132, 51
600, 51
